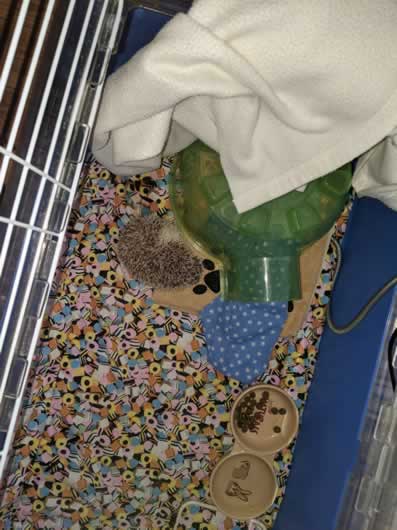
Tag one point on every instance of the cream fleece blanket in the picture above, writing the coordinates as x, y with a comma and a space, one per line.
285, 90
376, 172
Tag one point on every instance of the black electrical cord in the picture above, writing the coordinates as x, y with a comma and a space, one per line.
340, 330
390, 354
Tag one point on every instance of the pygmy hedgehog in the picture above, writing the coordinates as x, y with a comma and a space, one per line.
152, 251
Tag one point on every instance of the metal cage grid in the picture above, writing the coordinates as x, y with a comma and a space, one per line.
53, 60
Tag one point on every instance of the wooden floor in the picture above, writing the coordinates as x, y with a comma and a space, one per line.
9, 10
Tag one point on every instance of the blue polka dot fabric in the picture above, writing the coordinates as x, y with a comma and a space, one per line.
240, 336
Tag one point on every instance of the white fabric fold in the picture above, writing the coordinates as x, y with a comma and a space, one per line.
376, 172
285, 91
